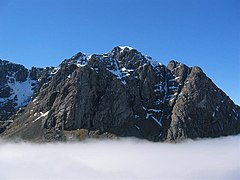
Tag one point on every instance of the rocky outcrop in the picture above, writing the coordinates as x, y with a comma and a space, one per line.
124, 93
18, 85
202, 110
12, 76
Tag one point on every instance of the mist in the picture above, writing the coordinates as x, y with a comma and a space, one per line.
122, 159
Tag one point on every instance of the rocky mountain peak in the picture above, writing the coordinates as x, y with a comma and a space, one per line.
126, 93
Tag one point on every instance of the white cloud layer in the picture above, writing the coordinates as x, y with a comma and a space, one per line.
122, 159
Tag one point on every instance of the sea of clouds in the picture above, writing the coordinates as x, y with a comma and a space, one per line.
122, 159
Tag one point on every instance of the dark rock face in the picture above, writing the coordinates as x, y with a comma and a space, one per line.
202, 110
127, 94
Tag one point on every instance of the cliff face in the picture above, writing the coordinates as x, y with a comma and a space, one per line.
124, 93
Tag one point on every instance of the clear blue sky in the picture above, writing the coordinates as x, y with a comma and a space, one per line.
196, 32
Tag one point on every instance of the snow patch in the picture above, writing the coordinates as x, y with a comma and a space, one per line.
157, 121
55, 70
149, 114
152, 110
136, 116
154, 63
21, 91
137, 127
83, 60
81, 65
125, 47
213, 115
41, 115
172, 87
117, 71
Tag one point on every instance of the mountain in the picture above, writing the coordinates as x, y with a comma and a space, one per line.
117, 94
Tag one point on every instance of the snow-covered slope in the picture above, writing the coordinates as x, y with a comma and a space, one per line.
17, 85
21, 92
